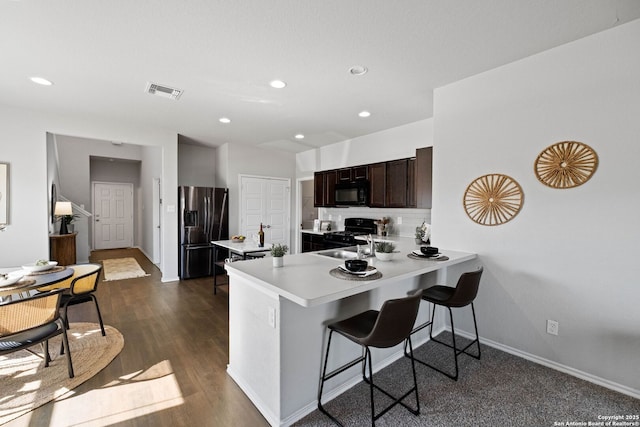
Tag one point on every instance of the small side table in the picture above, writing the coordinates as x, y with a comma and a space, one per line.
62, 248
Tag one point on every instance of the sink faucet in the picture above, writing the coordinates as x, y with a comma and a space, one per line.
370, 242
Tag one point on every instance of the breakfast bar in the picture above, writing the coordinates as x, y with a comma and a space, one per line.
278, 318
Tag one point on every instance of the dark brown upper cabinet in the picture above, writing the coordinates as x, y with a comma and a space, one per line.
424, 179
324, 193
396, 185
411, 183
403, 183
378, 182
354, 173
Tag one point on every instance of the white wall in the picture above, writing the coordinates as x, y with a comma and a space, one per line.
24, 147
570, 255
239, 160
196, 165
390, 144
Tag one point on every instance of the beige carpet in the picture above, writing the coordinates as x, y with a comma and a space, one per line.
122, 268
26, 384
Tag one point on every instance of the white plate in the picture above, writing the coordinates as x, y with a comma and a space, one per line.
12, 278
419, 253
33, 268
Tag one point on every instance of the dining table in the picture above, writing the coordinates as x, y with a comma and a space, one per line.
32, 281
244, 248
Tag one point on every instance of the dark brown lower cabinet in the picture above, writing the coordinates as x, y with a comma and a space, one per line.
62, 248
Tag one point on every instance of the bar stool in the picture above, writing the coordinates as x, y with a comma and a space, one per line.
462, 295
381, 329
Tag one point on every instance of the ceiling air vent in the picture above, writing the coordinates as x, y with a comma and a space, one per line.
163, 91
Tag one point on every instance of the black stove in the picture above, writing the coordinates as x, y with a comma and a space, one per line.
352, 227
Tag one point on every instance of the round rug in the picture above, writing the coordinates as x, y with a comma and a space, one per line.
26, 384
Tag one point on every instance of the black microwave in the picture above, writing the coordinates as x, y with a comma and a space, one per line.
354, 193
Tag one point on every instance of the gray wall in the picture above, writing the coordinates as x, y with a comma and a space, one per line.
196, 165
570, 255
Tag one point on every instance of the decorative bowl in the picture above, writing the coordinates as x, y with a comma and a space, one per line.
385, 256
237, 239
428, 250
34, 267
356, 265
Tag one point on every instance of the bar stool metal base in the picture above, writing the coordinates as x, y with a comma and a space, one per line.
456, 351
366, 360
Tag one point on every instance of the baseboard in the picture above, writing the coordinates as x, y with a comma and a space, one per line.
557, 366
255, 399
333, 393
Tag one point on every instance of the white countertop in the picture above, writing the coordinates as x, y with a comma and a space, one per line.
244, 247
306, 281
307, 231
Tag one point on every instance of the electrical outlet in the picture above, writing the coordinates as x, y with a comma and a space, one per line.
272, 317
552, 327
399, 220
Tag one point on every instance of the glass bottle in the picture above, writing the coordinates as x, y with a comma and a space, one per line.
261, 237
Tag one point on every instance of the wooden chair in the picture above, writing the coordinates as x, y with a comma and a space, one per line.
31, 321
80, 288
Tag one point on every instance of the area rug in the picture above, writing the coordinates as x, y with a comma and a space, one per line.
122, 268
26, 384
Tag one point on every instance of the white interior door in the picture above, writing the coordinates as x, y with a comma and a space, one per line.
112, 215
266, 201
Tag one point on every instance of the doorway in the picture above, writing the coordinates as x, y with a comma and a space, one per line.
112, 215
267, 201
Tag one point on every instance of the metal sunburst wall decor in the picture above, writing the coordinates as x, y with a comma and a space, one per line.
493, 199
566, 164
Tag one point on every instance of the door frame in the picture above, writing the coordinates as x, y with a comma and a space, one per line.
298, 237
288, 208
93, 209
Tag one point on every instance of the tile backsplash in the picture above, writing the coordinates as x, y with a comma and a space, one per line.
411, 218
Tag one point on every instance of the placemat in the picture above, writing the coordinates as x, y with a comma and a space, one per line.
340, 274
436, 258
55, 269
18, 285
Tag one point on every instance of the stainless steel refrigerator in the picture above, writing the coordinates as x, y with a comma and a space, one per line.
203, 217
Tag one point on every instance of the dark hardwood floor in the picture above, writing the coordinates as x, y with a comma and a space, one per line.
172, 370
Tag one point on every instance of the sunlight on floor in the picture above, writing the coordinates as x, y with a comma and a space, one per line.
134, 395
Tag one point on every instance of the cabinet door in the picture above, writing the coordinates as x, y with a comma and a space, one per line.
396, 195
378, 180
330, 179
360, 172
411, 183
424, 164
318, 189
344, 175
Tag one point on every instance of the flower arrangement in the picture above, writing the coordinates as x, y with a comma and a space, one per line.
423, 232
279, 250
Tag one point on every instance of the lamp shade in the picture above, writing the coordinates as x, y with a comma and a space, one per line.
63, 208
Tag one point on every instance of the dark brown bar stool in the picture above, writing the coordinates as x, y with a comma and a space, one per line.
462, 295
381, 329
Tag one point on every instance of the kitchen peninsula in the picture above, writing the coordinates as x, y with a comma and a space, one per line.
278, 318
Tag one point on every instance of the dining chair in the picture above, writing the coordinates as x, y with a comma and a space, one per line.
462, 295
83, 287
34, 320
381, 329
80, 288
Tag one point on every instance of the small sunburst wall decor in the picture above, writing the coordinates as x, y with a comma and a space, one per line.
493, 199
566, 164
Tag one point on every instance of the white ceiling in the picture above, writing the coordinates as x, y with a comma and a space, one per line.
101, 53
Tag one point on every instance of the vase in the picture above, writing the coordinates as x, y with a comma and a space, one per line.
278, 261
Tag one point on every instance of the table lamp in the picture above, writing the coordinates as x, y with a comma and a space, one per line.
63, 209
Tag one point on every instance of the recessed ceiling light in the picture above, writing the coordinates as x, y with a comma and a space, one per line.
358, 70
277, 84
299, 136
224, 120
364, 114
41, 81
